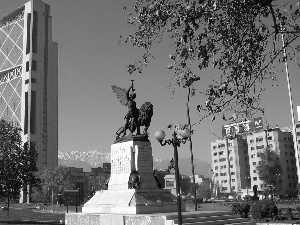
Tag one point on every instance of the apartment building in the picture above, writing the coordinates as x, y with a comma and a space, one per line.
230, 164
236, 156
280, 141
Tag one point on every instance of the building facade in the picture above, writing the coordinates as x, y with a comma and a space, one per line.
29, 78
230, 165
282, 142
234, 161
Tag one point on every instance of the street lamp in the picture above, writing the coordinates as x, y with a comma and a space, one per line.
181, 137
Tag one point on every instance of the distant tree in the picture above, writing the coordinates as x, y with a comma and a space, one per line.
38, 196
269, 170
203, 190
240, 39
185, 185
17, 161
54, 181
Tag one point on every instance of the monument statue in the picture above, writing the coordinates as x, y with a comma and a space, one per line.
135, 118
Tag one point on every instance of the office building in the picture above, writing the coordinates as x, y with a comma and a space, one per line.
29, 77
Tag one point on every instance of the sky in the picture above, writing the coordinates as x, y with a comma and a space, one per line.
91, 60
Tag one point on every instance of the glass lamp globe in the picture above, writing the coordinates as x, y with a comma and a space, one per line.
160, 135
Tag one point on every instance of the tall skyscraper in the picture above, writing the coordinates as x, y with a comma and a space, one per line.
29, 77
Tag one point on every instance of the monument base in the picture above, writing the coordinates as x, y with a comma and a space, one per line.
131, 201
111, 219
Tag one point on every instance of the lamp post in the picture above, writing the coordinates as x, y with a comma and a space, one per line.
175, 141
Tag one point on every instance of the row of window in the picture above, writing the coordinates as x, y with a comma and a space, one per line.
225, 188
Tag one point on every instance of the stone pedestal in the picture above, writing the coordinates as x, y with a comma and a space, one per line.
128, 194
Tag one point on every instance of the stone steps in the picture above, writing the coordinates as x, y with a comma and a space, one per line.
218, 218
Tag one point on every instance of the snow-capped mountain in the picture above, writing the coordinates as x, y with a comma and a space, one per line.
94, 158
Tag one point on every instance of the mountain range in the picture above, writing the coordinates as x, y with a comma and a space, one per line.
94, 158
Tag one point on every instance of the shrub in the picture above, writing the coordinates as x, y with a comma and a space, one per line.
241, 208
264, 210
298, 210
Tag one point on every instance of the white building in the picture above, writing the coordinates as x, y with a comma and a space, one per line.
29, 77
281, 142
234, 159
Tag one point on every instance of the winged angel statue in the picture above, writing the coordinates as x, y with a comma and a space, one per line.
135, 118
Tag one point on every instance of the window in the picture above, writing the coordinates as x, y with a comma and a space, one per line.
221, 146
221, 153
217, 174
216, 167
232, 173
27, 66
33, 65
287, 161
285, 145
233, 187
252, 148
224, 188
290, 185
269, 138
215, 161
259, 139
229, 144
254, 171
215, 154
232, 180
34, 31
289, 138
252, 156
214, 147
245, 151
288, 169
246, 158
231, 166
254, 163
254, 178
231, 159
285, 153
289, 176
251, 141
284, 138
260, 147
291, 154
259, 162
270, 145
293, 169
